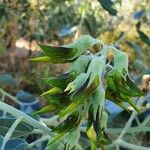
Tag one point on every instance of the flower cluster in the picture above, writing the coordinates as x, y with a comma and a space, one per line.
78, 96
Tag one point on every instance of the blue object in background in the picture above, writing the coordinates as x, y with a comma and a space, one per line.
29, 102
67, 31
112, 108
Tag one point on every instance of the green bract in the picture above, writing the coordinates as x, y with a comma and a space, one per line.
79, 95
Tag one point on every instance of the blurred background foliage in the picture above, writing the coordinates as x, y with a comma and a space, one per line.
25, 23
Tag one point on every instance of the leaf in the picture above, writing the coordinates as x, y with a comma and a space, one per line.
15, 144
115, 99
103, 119
90, 23
109, 6
144, 37
7, 80
134, 46
21, 130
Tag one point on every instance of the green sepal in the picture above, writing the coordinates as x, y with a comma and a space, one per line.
83, 44
69, 123
61, 81
45, 109
116, 99
129, 100
60, 100
56, 138
40, 59
52, 91
134, 87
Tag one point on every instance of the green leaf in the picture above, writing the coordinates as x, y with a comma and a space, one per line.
109, 6
103, 119
69, 123
14, 144
135, 46
144, 37
21, 130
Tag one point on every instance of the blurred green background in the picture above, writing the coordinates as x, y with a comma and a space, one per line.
25, 23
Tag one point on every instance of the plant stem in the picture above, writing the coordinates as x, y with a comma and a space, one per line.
42, 139
10, 96
10, 132
26, 118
